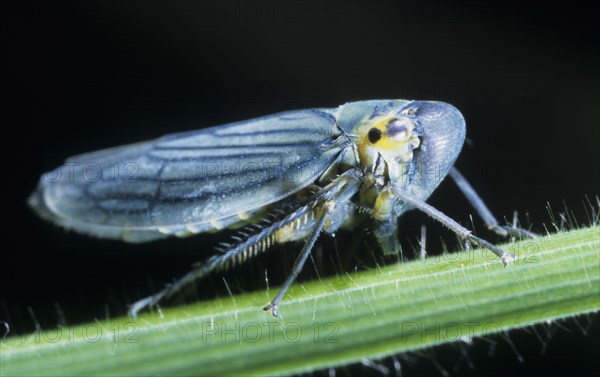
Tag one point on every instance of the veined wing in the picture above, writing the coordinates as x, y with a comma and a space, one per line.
190, 182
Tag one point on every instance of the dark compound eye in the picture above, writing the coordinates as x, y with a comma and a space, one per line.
374, 135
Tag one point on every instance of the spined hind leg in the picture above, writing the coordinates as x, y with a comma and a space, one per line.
323, 203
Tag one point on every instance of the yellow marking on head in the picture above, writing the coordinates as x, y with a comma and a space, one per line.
388, 133
392, 136
244, 215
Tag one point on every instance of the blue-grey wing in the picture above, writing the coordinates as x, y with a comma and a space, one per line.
190, 182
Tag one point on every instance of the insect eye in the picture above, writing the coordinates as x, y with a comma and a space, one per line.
374, 135
397, 130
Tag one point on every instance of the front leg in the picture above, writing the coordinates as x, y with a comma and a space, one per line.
461, 231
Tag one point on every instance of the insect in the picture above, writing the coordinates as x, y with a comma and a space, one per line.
279, 178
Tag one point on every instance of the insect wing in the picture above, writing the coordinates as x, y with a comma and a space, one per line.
190, 182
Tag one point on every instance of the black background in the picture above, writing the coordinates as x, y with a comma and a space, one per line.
90, 75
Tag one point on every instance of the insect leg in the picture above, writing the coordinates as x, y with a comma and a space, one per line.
342, 184
299, 263
217, 262
483, 211
461, 231
338, 191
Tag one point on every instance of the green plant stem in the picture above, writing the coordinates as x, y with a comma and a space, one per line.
334, 321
